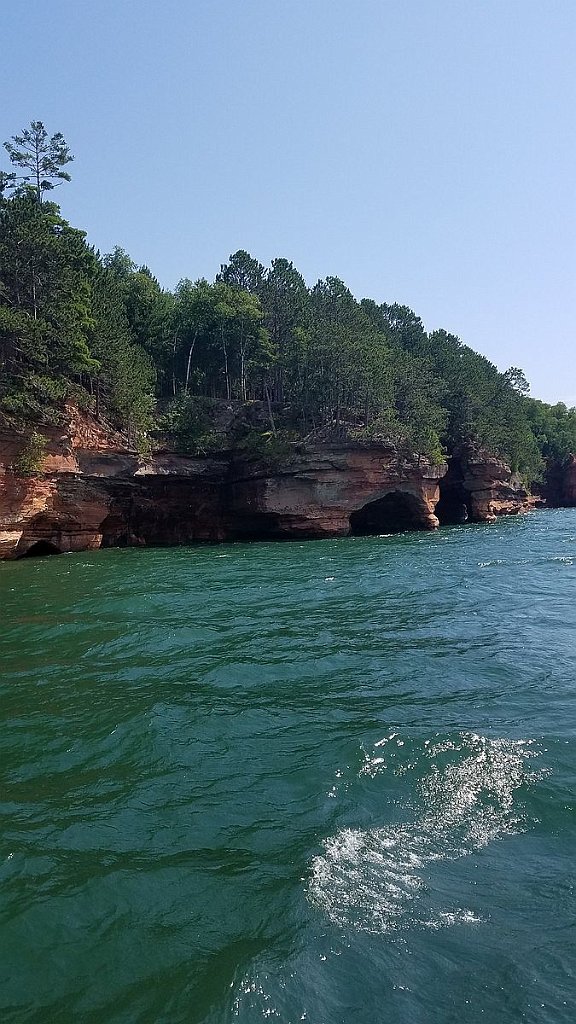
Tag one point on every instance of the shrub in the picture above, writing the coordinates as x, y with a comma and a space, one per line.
29, 460
268, 447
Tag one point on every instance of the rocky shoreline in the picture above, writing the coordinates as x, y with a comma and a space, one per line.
92, 491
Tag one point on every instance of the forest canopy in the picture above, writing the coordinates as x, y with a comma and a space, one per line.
101, 330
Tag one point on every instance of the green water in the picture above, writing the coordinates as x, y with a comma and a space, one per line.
329, 782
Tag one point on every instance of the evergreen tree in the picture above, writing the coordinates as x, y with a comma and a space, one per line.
45, 301
41, 158
123, 383
104, 331
242, 272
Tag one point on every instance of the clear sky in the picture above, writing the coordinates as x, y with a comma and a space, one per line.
422, 150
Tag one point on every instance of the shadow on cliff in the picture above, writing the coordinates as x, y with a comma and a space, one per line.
41, 548
393, 513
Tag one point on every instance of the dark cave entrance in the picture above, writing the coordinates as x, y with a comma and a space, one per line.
115, 532
452, 507
41, 547
393, 513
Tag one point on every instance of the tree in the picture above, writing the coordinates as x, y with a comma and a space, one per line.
284, 299
42, 158
245, 344
403, 327
242, 272
148, 308
45, 271
340, 374
45, 305
7, 180
123, 381
194, 320
554, 427
516, 379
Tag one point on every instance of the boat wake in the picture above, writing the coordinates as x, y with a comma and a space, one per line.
376, 879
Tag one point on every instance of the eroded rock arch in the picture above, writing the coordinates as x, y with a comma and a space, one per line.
392, 512
40, 547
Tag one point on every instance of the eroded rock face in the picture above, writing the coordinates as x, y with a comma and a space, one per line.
558, 487
334, 491
77, 512
94, 492
568, 482
478, 488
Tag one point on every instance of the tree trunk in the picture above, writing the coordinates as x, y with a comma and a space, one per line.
175, 342
242, 371
38, 189
226, 373
269, 403
34, 295
189, 361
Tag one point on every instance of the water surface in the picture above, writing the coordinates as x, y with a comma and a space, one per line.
328, 782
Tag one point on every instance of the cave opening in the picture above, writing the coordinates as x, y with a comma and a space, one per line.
393, 513
452, 507
115, 532
40, 548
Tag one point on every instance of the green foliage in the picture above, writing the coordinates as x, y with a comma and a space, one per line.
271, 448
189, 421
554, 427
29, 460
219, 342
36, 398
320, 363
426, 441
45, 294
242, 272
41, 158
146, 308
123, 381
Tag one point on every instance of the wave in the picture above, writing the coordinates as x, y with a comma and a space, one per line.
375, 879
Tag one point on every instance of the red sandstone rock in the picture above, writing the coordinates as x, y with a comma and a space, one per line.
93, 491
334, 490
484, 487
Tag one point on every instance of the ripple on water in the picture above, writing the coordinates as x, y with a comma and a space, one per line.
375, 879
292, 781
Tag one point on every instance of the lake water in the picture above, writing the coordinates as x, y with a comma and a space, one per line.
330, 782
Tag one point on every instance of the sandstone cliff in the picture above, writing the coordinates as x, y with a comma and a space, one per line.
92, 491
479, 487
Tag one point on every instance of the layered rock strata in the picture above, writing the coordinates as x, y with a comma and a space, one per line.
92, 491
478, 488
332, 491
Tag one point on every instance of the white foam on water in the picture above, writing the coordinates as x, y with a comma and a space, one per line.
374, 879
367, 878
252, 995
447, 918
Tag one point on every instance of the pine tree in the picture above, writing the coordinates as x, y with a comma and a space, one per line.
40, 157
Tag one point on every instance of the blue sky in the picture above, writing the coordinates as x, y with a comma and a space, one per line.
422, 150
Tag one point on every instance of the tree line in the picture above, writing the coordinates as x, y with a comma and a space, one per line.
99, 329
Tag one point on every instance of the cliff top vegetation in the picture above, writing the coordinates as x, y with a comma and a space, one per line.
315, 361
